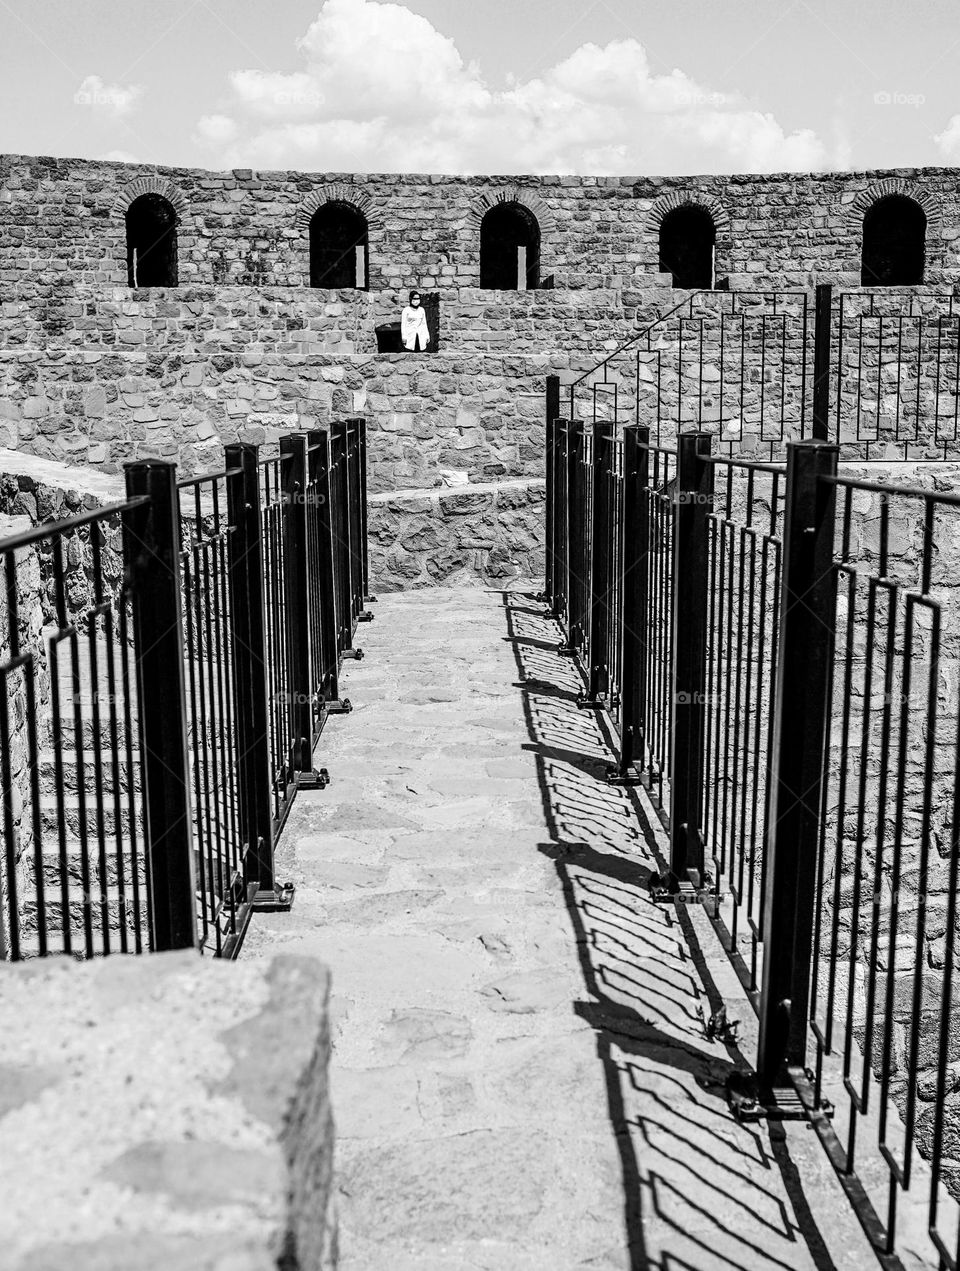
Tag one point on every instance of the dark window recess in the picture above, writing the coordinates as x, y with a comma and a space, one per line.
510, 249
338, 247
151, 242
894, 233
687, 238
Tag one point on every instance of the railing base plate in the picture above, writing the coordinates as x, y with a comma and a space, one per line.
317, 779
356, 654
274, 899
339, 706
614, 777
748, 1102
585, 703
366, 616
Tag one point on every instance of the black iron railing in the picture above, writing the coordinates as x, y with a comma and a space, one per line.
876, 370
73, 878
777, 649
167, 666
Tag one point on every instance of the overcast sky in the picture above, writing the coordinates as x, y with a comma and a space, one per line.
604, 86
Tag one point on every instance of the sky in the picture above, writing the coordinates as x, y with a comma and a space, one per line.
611, 87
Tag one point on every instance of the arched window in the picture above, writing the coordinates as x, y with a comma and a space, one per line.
338, 247
510, 248
151, 242
687, 238
894, 230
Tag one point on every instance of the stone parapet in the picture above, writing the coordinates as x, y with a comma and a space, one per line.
165, 1112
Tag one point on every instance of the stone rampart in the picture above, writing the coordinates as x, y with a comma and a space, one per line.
62, 221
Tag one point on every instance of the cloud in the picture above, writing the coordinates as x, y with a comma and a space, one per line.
215, 130
381, 89
108, 99
948, 141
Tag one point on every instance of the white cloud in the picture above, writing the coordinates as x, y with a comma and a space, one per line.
948, 141
215, 130
381, 89
108, 99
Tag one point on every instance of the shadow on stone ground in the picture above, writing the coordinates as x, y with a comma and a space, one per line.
699, 1189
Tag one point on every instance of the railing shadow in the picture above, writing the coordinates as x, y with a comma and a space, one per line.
693, 1179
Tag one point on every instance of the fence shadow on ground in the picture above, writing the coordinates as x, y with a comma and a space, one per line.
698, 1188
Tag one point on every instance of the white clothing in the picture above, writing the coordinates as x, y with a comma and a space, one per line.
413, 328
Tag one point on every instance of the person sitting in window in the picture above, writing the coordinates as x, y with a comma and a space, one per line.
413, 325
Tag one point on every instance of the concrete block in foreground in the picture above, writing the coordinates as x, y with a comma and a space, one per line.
165, 1113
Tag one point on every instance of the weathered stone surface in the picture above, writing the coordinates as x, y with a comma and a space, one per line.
175, 1115
520, 1076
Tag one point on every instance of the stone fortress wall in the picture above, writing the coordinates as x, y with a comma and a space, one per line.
93, 372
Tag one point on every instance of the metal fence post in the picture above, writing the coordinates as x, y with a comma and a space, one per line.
247, 631
552, 413
601, 552
575, 585
694, 506
151, 537
821, 362
800, 734
636, 541
293, 454
362, 443
328, 677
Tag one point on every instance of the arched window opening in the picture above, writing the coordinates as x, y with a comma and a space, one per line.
894, 233
338, 247
687, 239
151, 242
510, 248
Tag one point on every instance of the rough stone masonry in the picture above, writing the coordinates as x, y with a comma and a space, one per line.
93, 372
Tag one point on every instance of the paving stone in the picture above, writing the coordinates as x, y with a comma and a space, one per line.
520, 1074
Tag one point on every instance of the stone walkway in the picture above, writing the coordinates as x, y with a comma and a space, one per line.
521, 1078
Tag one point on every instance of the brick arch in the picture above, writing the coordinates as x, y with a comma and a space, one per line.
486, 199
854, 212
667, 203
149, 185
339, 193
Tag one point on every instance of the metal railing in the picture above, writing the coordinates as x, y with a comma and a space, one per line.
778, 657
166, 666
754, 369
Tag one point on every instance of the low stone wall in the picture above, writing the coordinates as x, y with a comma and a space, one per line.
421, 538
475, 414
166, 1112
211, 320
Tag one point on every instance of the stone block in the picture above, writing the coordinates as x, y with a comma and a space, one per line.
166, 1111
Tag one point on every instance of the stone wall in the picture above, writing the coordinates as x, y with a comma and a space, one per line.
422, 538
168, 1113
62, 220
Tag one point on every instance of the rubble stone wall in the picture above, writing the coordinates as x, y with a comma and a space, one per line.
62, 220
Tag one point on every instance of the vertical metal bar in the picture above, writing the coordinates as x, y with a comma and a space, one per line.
553, 412
325, 565
636, 542
800, 733
821, 362
691, 513
600, 545
365, 555
152, 559
293, 453
248, 620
